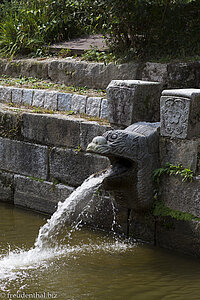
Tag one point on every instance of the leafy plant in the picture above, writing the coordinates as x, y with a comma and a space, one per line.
135, 29
27, 26
78, 149
95, 55
36, 178
40, 110
170, 169
64, 53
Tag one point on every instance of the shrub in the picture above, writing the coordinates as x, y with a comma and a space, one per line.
28, 25
154, 28
134, 28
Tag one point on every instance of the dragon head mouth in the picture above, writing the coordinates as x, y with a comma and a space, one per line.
121, 176
133, 154
119, 165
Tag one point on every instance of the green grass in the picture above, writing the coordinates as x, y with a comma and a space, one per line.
40, 110
36, 83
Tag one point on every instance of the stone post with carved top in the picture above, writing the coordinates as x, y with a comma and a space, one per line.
130, 101
180, 144
180, 113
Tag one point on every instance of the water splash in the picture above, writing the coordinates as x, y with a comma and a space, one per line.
15, 264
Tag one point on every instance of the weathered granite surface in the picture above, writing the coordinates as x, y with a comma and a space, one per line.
59, 130
72, 167
181, 196
38, 98
64, 101
16, 95
53, 100
27, 97
5, 94
78, 104
23, 158
180, 111
38, 195
166, 232
51, 129
97, 75
93, 106
180, 236
6, 187
178, 151
130, 101
180, 144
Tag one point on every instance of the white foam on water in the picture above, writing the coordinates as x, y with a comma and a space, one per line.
16, 264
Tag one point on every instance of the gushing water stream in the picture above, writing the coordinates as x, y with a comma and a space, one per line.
70, 209
48, 244
86, 264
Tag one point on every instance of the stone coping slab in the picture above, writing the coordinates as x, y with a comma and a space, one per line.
57, 101
190, 93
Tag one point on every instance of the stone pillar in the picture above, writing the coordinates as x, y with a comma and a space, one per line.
180, 113
130, 101
180, 144
180, 127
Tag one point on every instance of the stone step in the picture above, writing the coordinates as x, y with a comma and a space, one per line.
78, 46
56, 101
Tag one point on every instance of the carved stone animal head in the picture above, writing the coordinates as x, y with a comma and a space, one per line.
133, 154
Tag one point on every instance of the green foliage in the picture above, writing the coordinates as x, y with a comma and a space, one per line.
26, 26
94, 55
36, 179
64, 53
40, 110
135, 29
78, 149
23, 29
160, 209
169, 169
36, 83
141, 29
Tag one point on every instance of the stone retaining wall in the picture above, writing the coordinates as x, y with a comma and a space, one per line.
43, 158
128, 101
98, 75
52, 100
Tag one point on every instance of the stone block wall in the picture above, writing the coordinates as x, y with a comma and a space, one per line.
43, 158
53, 100
98, 75
179, 145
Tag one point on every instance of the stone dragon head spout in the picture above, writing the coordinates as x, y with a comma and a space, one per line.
133, 154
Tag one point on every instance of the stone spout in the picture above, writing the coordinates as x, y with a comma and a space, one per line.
133, 154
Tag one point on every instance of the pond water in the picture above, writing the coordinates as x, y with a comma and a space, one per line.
91, 265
